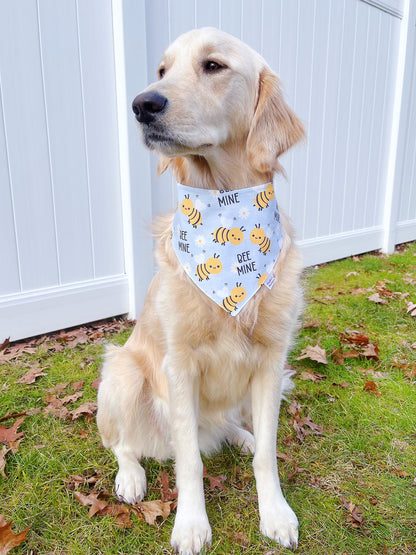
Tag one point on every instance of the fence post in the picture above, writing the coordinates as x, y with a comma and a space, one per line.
130, 53
393, 180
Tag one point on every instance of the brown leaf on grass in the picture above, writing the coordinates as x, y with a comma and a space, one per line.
10, 415
400, 473
31, 375
354, 337
8, 539
96, 383
371, 351
76, 386
215, 482
355, 515
167, 493
315, 353
87, 409
339, 356
375, 298
313, 376
3, 452
296, 470
372, 387
358, 291
151, 510
238, 538
9, 435
303, 425
311, 324
5, 344
121, 514
411, 308
97, 505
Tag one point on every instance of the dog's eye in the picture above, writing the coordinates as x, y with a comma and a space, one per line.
161, 72
212, 67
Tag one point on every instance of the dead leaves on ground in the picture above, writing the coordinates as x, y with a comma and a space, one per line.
8, 539
152, 512
57, 342
10, 440
355, 517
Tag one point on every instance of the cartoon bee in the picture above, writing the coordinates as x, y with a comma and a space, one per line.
194, 215
261, 279
258, 237
237, 295
212, 266
264, 197
234, 235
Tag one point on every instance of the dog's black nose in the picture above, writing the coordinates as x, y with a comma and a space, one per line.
147, 104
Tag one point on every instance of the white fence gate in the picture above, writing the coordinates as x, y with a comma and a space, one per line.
77, 189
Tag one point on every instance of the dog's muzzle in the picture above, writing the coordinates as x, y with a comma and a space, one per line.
148, 105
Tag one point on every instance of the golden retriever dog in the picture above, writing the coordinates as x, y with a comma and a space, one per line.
193, 373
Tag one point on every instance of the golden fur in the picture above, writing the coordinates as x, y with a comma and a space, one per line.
181, 381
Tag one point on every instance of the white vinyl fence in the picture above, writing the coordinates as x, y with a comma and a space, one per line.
78, 191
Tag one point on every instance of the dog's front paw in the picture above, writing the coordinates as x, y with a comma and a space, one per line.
131, 483
280, 524
190, 533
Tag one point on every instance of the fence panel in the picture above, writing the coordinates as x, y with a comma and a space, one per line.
60, 209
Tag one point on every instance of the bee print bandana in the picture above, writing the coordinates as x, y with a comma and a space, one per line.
228, 241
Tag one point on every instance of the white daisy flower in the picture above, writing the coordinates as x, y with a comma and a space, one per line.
200, 241
244, 212
234, 268
187, 268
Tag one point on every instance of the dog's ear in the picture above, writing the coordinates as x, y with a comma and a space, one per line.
275, 127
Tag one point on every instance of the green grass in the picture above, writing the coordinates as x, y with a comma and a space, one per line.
367, 452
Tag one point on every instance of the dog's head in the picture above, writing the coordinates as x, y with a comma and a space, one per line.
214, 90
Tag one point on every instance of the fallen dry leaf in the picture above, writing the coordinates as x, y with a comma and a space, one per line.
372, 387
31, 375
355, 515
354, 337
400, 473
371, 351
313, 376
375, 298
296, 470
238, 538
167, 493
87, 409
97, 505
76, 386
8, 539
3, 452
151, 510
5, 344
339, 356
411, 308
314, 353
9, 435
215, 482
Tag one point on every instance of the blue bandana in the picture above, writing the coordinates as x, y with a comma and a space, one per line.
228, 241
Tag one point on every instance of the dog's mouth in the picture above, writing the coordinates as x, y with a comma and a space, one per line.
158, 138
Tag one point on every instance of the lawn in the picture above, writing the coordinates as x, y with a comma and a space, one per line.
346, 441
